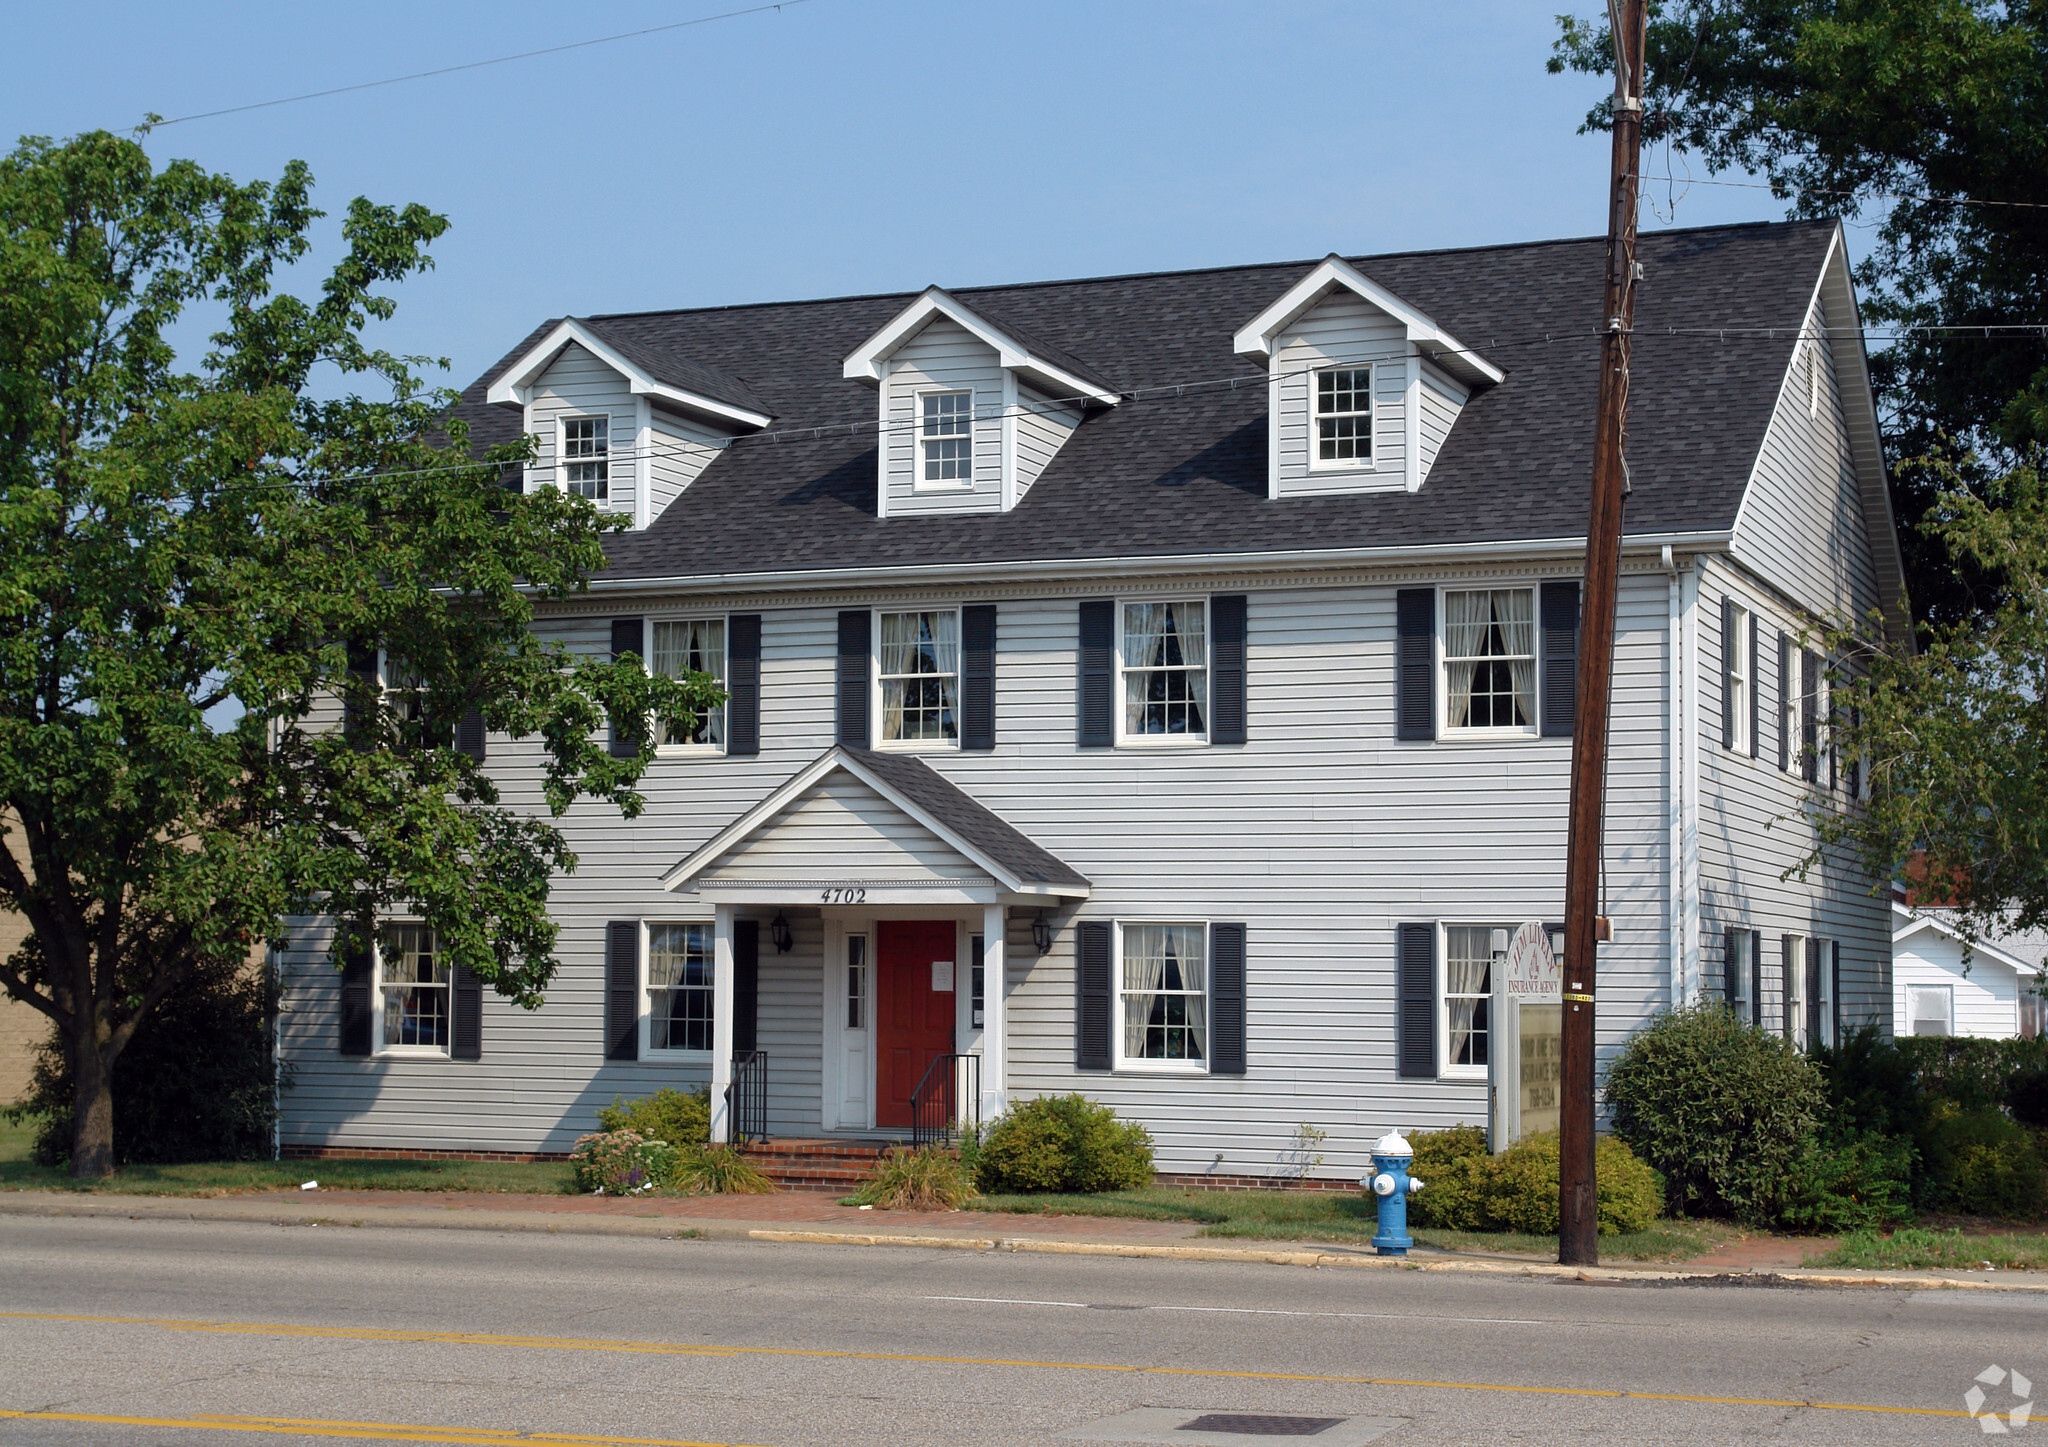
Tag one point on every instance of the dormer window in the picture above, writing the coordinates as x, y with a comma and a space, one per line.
1344, 417
947, 439
586, 457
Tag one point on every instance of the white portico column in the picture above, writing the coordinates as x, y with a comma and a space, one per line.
721, 1021
995, 1011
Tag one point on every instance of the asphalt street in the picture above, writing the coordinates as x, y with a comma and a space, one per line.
187, 1333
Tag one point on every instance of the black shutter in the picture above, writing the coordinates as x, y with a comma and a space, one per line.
743, 685
622, 990
1755, 690
978, 676
1091, 996
1756, 978
355, 1003
629, 635
1560, 609
1731, 967
855, 625
1784, 703
1834, 754
1809, 717
1096, 706
1227, 669
465, 1014
1788, 980
1226, 999
746, 985
1415, 1010
1728, 646
1415, 623
362, 667
469, 735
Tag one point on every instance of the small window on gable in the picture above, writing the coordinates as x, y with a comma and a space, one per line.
946, 437
1815, 379
586, 457
1344, 417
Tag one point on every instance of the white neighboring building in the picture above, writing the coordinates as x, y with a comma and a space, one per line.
1942, 985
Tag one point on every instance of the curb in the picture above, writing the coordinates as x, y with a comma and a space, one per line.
220, 1208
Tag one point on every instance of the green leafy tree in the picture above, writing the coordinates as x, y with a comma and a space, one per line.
177, 539
1908, 111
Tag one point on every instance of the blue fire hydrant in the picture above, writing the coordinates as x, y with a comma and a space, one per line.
1391, 1182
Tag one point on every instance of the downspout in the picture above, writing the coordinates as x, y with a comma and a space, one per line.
1674, 789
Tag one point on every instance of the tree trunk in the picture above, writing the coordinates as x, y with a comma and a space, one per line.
92, 1113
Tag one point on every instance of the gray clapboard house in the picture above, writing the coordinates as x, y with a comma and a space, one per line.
1160, 687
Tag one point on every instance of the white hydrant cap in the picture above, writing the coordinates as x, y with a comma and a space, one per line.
1392, 1144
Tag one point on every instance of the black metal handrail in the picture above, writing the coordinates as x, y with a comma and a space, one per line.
935, 1106
746, 1097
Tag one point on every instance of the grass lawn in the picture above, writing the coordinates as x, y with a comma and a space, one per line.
1919, 1250
209, 1178
1337, 1216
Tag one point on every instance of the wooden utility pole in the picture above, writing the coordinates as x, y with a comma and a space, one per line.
1578, 1238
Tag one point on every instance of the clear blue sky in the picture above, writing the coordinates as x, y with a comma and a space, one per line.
844, 146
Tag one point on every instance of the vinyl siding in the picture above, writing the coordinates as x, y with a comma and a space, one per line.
1986, 999
1341, 329
579, 385
678, 452
1042, 427
943, 355
1441, 401
843, 828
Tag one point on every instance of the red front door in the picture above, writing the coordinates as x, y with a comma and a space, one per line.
914, 1022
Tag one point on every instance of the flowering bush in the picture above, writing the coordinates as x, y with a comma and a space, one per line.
621, 1163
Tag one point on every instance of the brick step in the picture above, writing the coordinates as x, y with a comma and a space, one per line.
828, 1167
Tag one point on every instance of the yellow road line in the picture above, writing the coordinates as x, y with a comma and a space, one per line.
358, 1431
361, 1333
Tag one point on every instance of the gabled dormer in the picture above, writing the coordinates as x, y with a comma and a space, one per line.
972, 410
619, 422
1362, 388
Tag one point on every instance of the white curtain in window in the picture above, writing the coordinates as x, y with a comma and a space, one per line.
1468, 971
1465, 621
1163, 957
1515, 613
920, 643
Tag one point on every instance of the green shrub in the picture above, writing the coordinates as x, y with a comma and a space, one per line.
1874, 1088
1064, 1143
621, 1163
931, 1179
718, 1170
1853, 1184
1517, 1189
2027, 1098
198, 1082
1722, 1109
1983, 1162
668, 1115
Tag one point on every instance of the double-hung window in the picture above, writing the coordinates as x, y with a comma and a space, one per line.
919, 666
1164, 998
691, 645
946, 437
1165, 663
586, 457
1741, 676
679, 986
1931, 1009
1344, 417
1473, 953
1490, 659
412, 981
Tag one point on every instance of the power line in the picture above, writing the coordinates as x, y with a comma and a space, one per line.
1786, 192
473, 64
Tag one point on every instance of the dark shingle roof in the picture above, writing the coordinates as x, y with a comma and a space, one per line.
650, 348
968, 821
1187, 474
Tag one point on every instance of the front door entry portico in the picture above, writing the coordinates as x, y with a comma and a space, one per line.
914, 1020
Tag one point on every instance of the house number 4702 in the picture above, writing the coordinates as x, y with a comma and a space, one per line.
844, 896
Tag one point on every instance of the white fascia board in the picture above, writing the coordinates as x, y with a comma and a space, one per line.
515, 383
837, 758
867, 361
1648, 545
1916, 924
1256, 337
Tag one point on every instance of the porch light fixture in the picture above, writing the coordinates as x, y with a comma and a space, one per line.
779, 932
1041, 933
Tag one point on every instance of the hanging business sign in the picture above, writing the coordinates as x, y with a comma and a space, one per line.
1528, 1055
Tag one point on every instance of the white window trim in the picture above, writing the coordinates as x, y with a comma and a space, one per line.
918, 482
1792, 992
1446, 1070
611, 454
1125, 740
1372, 394
1815, 375
1444, 732
913, 746
1790, 662
1742, 668
688, 751
867, 982
1141, 1066
647, 1050
402, 1052
1911, 1018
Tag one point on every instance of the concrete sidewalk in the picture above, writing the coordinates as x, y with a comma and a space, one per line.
795, 1217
